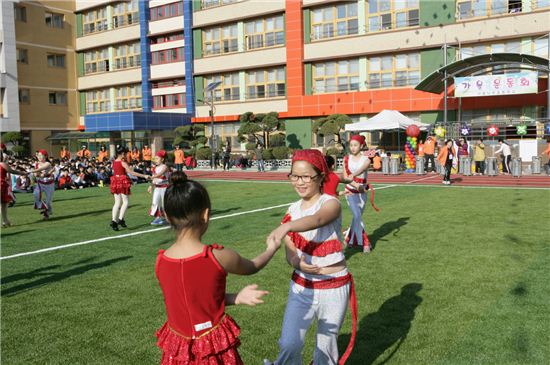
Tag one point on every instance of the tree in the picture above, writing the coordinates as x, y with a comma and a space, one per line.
331, 125
16, 139
192, 135
256, 128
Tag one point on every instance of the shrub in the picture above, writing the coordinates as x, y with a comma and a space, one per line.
250, 146
267, 154
333, 151
204, 153
281, 153
277, 140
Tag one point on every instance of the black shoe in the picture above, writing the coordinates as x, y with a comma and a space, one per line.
114, 225
122, 223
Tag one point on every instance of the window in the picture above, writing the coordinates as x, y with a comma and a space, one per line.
94, 21
168, 56
394, 71
477, 8
20, 13
166, 11
167, 83
334, 21
212, 3
24, 96
128, 97
57, 98
125, 13
167, 38
513, 46
54, 20
329, 77
96, 61
220, 40
126, 55
98, 101
169, 101
537, 4
263, 33
228, 90
540, 47
385, 14
22, 55
56, 60
265, 83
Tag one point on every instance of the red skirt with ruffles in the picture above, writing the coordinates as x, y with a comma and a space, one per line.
120, 184
5, 192
215, 347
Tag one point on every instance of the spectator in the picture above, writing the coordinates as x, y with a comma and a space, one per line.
90, 177
64, 154
377, 162
447, 158
84, 153
421, 148
226, 157
23, 184
547, 153
65, 182
103, 154
147, 155
479, 157
179, 157
135, 154
429, 152
506, 156
260, 157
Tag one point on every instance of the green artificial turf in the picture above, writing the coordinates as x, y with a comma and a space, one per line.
457, 276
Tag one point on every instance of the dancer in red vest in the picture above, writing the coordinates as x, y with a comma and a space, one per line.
355, 171
160, 182
321, 284
6, 198
45, 184
192, 277
120, 187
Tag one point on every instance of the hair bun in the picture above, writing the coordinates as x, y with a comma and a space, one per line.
178, 178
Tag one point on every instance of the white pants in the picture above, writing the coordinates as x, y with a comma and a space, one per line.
304, 305
157, 206
43, 191
356, 232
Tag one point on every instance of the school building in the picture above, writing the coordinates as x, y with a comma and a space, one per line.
131, 71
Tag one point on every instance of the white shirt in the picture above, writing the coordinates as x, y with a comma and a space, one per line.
505, 149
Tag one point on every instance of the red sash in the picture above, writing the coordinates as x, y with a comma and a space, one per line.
331, 284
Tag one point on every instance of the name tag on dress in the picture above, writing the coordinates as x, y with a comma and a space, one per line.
203, 326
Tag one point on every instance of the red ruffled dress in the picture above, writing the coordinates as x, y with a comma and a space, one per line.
120, 182
4, 186
197, 332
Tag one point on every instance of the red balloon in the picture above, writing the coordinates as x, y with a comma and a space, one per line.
413, 131
492, 130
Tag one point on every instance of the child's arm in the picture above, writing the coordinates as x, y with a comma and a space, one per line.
160, 172
329, 211
130, 171
46, 166
234, 263
249, 295
297, 263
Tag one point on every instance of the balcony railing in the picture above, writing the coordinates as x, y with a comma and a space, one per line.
466, 11
116, 22
127, 63
265, 94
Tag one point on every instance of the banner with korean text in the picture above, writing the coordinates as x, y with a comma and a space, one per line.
490, 85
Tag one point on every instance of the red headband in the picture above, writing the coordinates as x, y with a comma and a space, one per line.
161, 154
359, 138
314, 157
2, 146
43, 152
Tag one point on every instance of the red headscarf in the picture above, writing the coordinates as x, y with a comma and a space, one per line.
314, 157
43, 153
161, 154
359, 138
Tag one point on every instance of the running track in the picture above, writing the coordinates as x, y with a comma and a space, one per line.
529, 181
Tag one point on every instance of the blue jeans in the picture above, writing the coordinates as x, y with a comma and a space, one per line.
261, 165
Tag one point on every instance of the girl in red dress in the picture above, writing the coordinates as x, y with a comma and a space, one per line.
192, 277
4, 186
120, 187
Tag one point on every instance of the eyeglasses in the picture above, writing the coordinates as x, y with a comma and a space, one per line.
305, 178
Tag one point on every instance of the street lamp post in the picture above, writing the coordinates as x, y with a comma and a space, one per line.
210, 88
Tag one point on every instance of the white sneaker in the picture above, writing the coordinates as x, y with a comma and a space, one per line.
267, 362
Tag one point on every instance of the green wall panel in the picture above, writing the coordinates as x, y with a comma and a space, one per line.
437, 12
82, 103
79, 25
199, 87
197, 43
197, 5
307, 26
308, 80
298, 133
80, 63
432, 59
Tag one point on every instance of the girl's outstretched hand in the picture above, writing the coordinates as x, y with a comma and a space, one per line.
250, 295
307, 268
278, 234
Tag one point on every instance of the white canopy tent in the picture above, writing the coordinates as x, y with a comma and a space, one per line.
385, 120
